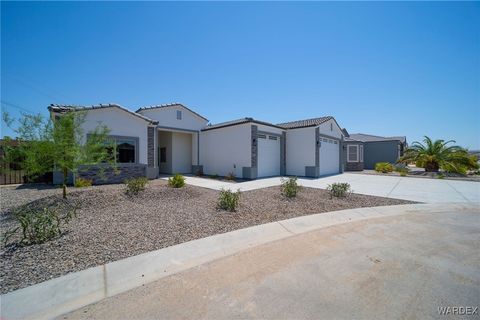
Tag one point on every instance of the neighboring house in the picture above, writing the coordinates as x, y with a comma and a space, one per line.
363, 151
172, 138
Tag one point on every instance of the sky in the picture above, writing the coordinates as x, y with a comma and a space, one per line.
383, 68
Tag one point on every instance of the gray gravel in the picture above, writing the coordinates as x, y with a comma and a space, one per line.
111, 225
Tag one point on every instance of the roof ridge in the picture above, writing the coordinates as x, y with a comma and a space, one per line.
158, 106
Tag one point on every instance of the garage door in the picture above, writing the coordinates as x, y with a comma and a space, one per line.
329, 156
268, 156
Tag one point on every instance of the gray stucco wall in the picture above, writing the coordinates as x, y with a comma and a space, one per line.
384, 151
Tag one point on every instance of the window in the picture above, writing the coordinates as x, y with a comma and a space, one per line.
262, 136
352, 153
179, 115
163, 154
272, 137
124, 149
361, 153
335, 141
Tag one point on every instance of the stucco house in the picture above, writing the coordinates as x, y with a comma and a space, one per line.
172, 138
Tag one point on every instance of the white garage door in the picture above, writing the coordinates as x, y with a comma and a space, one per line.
268, 156
329, 156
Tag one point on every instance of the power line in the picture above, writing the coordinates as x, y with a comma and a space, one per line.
16, 106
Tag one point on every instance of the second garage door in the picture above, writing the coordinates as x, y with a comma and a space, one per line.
329, 156
268, 156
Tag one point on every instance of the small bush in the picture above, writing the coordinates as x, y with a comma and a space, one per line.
177, 181
230, 176
135, 185
290, 187
383, 167
339, 190
40, 225
403, 174
80, 183
440, 176
228, 200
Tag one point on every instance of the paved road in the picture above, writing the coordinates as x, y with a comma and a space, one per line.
405, 266
407, 188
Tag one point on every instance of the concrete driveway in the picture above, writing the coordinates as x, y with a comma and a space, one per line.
407, 188
409, 266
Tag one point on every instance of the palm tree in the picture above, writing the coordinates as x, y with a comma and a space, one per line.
433, 155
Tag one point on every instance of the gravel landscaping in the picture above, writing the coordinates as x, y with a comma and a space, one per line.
111, 225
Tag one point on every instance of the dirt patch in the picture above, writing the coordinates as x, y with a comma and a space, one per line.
112, 225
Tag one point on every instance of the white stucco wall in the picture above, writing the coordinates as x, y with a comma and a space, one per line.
181, 152
326, 129
167, 117
226, 150
268, 129
300, 150
120, 123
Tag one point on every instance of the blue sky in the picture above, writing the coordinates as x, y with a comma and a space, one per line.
381, 68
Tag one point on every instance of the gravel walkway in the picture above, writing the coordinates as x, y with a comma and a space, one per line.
111, 225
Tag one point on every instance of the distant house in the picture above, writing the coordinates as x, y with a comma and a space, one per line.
363, 151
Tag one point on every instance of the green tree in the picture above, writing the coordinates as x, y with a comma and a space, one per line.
435, 155
60, 143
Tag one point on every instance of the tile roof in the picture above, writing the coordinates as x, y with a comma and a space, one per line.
371, 138
64, 108
237, 122
167, 105
304, 123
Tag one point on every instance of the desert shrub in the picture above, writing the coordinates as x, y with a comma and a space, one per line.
290, 187
135, 185
177, 181
383, 167
80, 183
403, 174
38, 225
230, 176
228, 200
339, 190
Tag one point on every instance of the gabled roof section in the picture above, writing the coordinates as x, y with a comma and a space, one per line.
65, 108
237, 122
371, 138
168, 105
304, 123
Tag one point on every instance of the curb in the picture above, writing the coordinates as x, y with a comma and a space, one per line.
58, 296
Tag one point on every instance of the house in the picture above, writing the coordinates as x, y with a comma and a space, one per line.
172, 138
363, 151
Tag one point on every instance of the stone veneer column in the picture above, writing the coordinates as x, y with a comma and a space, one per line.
283, 154
317, 147
254, 146
151, 146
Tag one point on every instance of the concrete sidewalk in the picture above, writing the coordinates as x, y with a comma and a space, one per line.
408, 266
413, 189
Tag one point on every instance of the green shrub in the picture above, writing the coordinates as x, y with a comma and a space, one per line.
135, 185
290, 187
80, 183
177, 181
228, 200
230, 176
339, 190
440, 176
40, 225
383, 167
403, 174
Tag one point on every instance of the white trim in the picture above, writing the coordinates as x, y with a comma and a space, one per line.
361, 153
348, 152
